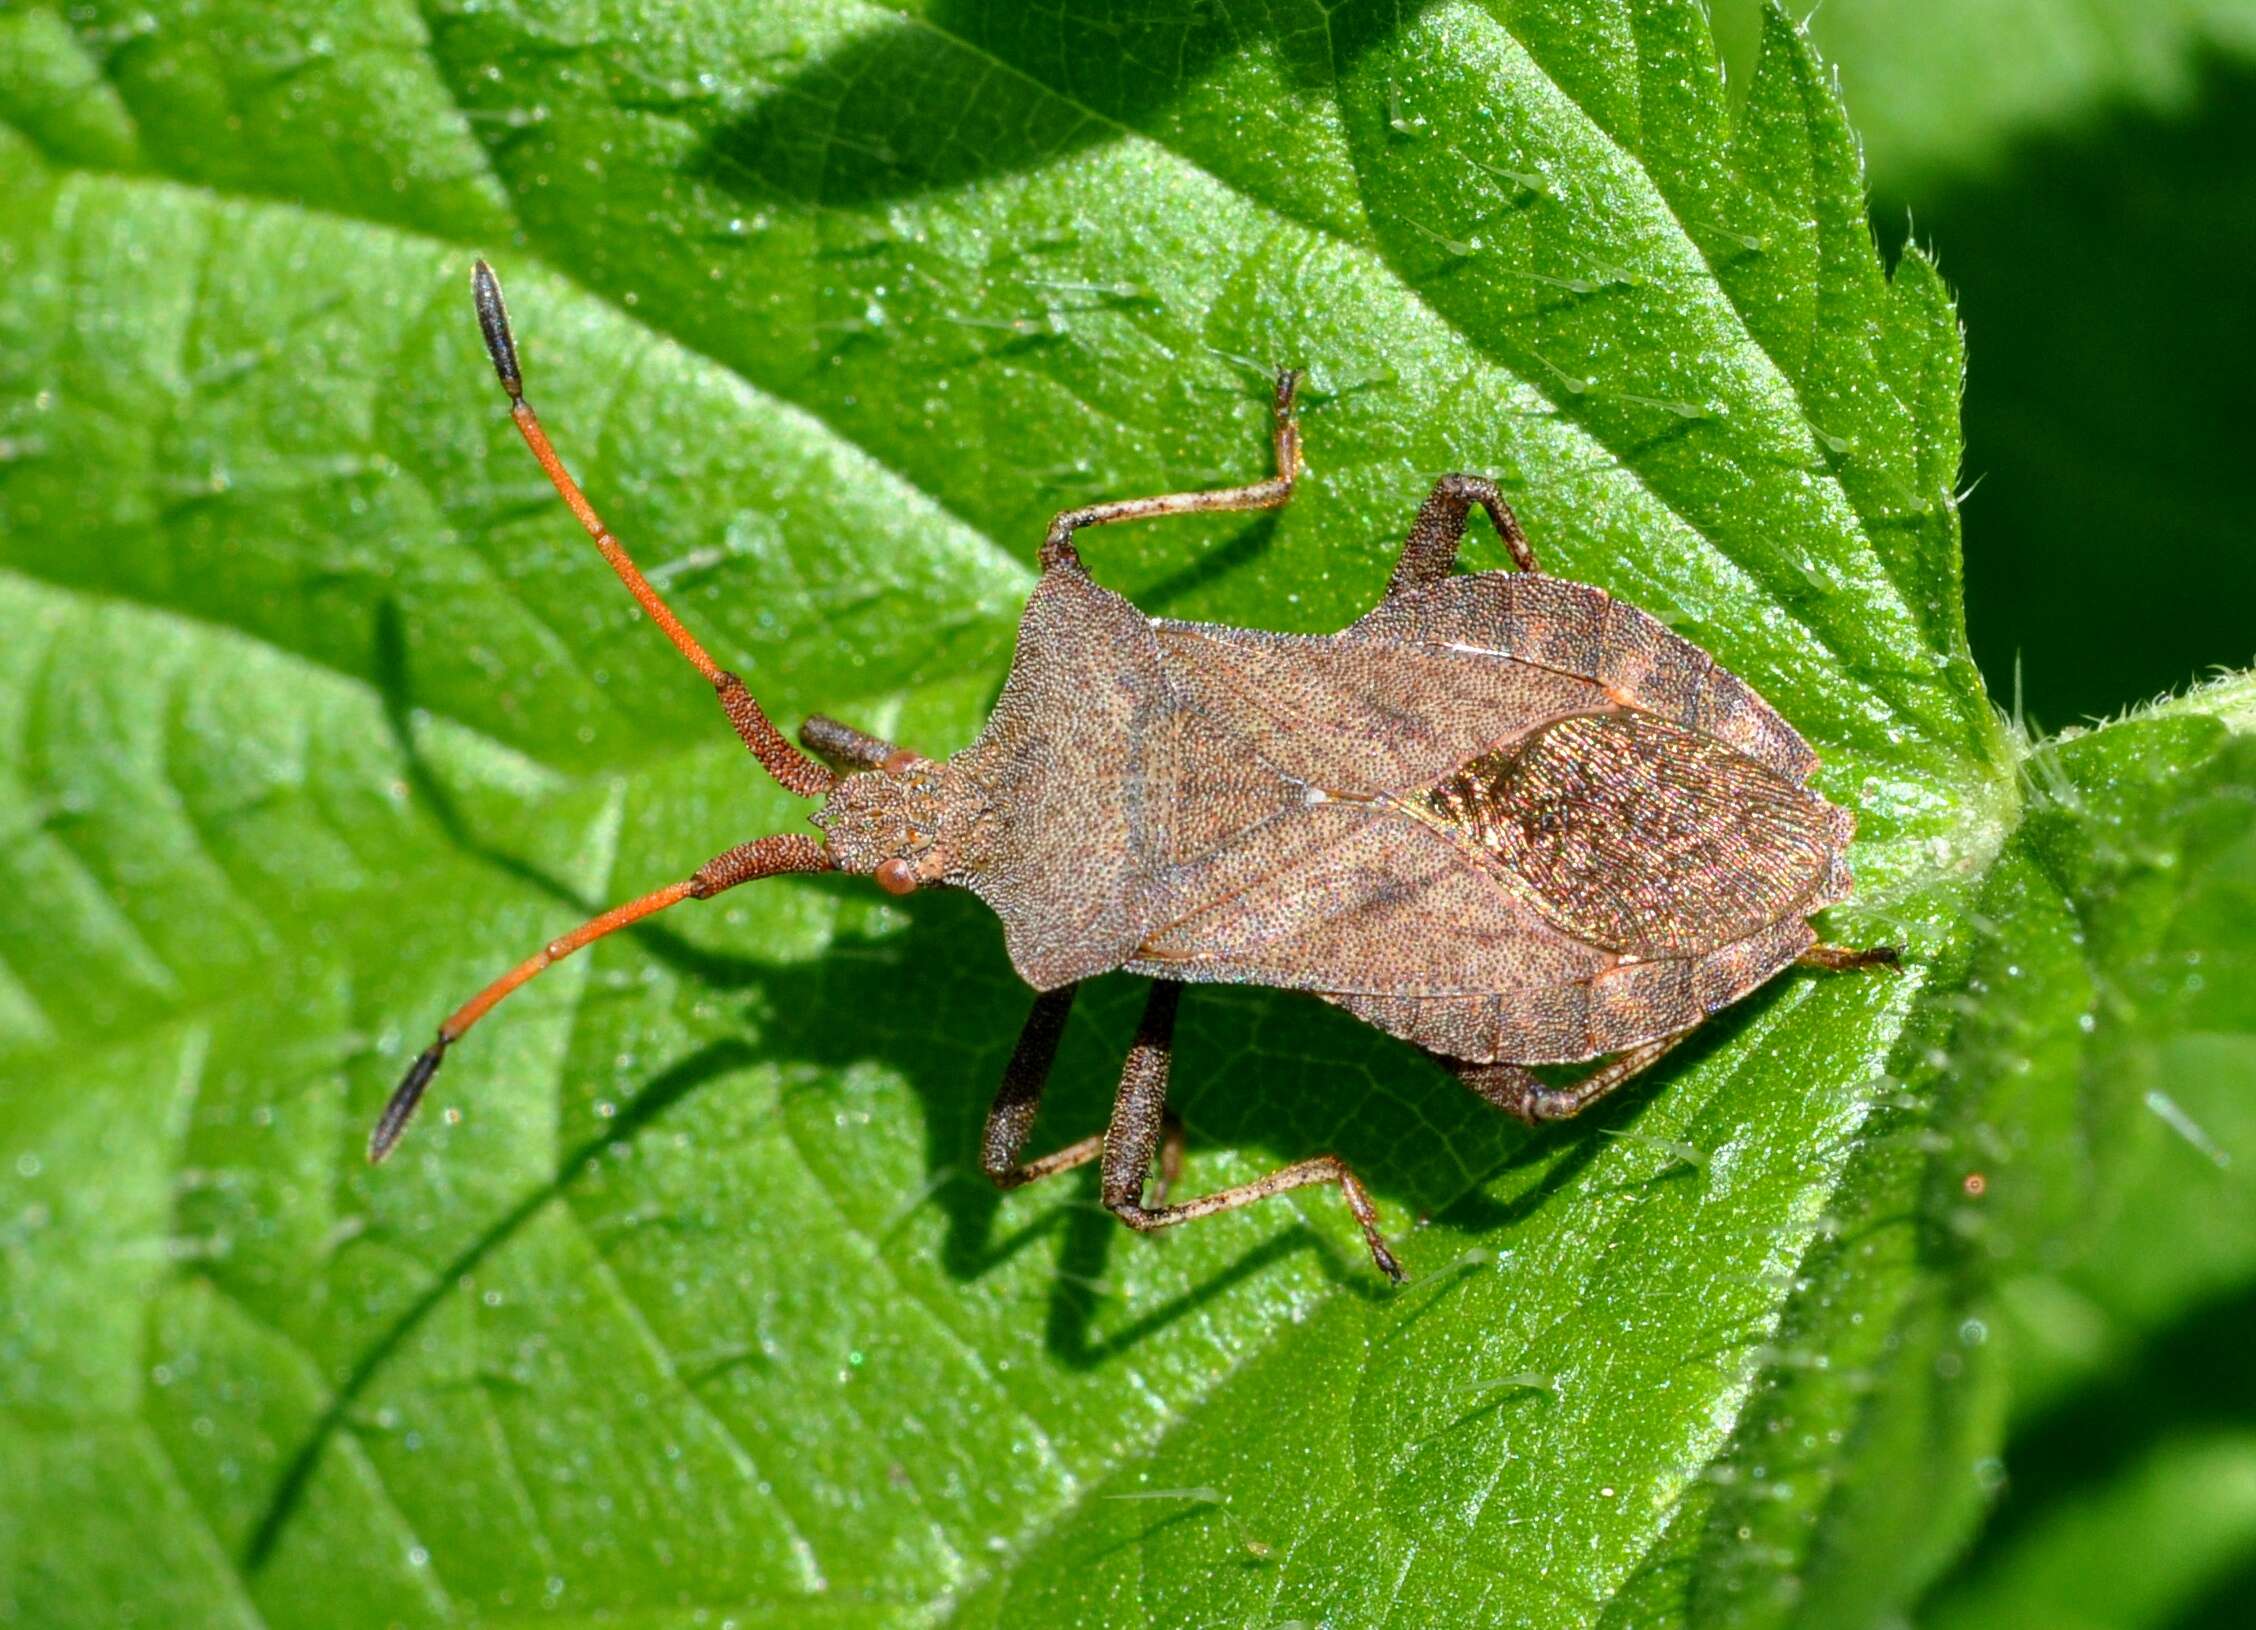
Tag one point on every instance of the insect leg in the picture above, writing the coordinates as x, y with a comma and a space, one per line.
1138, 1119
1842, 958
842, 745
762, 857
797, 772
1010, 1119
1057, 547
1431, 548
1524, 1095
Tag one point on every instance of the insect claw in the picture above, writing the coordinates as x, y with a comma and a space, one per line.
400, 1109
1385, 1259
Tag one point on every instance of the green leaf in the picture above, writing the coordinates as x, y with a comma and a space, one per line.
1945, 90
2080, 170
2127, 1355
2107, 1008
317, 711
2195, 1495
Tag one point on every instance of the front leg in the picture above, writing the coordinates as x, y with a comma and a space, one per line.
1057, 547
1010, 1120
1430, 550
842, 746
1140, 1113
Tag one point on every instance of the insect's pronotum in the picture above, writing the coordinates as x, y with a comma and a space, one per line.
1503, 816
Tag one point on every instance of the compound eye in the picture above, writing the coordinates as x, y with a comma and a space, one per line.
896, 876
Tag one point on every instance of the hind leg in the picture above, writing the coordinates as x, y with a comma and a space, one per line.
1139, 1117
1525, 1096
1430, 550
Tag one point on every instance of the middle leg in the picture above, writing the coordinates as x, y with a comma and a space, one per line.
1057, 547
1010, 1119
1139, 1115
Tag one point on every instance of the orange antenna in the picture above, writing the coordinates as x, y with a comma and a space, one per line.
762, 857
795, 770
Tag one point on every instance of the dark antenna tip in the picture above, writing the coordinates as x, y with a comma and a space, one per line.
493, 322
405, 1097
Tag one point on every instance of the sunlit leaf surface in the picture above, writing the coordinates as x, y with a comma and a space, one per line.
690, 1308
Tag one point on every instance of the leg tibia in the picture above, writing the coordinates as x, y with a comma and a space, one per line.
1057, 547
1010, 1120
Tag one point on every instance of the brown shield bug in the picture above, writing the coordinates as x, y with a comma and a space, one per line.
1502, 816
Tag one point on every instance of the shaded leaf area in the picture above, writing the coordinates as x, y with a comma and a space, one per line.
316, 712
2194, 1495
2101, 422
1952, 93
2082, 173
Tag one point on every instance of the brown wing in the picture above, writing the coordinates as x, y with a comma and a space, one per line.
1620, 1006
1355, 714
1425, 936
1289, 858
1515, 864
1353, 897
